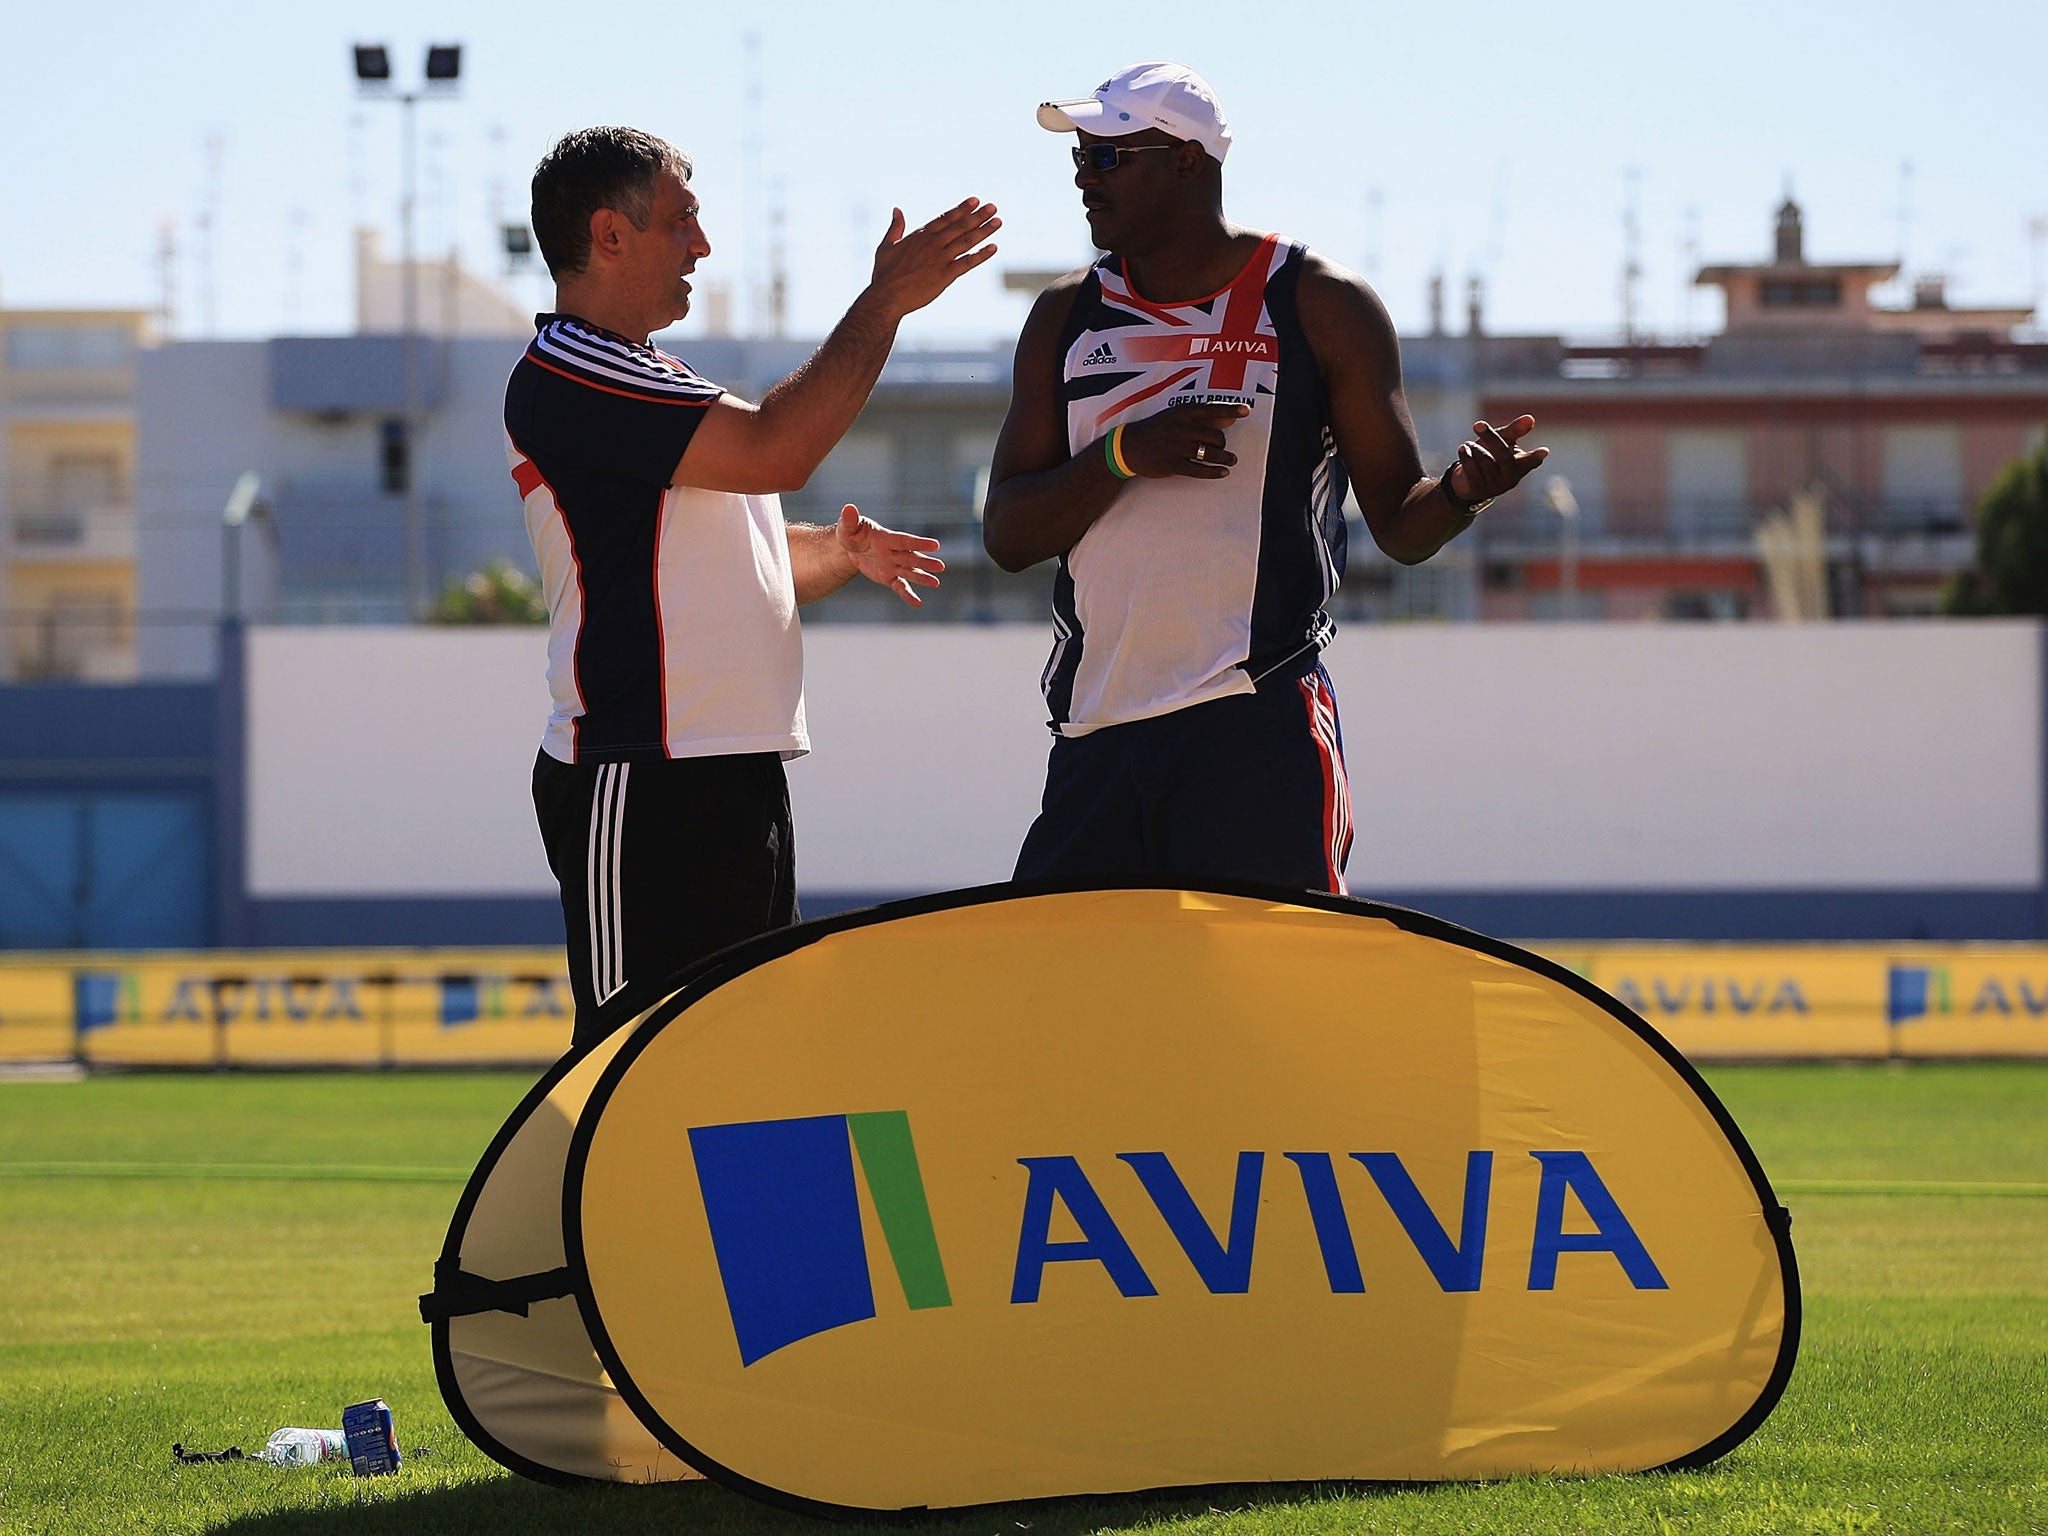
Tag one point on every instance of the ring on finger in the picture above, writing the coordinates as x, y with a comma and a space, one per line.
1201, 453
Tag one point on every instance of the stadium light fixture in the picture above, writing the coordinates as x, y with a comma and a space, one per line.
442, 72
518, 243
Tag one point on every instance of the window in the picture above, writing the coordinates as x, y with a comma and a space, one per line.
1577, 607
75, 635
1580, 457
1912, 603
85, 482
1808, 293
1706, 605
52, 346
972, 454
862, 470
1923, 480
394, 456
1709, 484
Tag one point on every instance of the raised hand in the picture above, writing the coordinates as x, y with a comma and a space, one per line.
1491, 465
1184, 440
898, 561
913, 269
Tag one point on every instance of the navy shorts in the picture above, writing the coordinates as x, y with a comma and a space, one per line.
1249, 787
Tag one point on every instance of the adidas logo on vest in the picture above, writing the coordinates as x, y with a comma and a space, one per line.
1100, 357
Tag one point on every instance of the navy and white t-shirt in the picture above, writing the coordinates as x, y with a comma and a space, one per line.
1188, 590
672, 611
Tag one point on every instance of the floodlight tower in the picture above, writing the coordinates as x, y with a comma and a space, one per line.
373, 81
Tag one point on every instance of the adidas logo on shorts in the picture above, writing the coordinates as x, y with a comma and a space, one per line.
1100, 357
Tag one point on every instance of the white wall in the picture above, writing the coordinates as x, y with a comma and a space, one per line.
394, 761
1540, 757
1668, 756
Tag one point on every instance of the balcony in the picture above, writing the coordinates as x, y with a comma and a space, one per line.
1920, 534
53, 531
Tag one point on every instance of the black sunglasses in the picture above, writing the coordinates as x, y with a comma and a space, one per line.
1105, 156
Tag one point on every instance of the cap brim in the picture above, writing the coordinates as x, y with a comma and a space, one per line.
1074, 116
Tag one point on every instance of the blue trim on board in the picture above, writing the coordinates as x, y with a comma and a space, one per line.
1753, 916
133, 731
1756, 916
408, 922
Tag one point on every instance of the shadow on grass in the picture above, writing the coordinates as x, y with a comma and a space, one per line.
709, 1509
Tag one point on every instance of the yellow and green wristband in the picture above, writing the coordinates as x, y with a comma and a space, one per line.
1113, 450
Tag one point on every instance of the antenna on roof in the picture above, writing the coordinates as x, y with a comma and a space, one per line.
1905, 213
166, 276
1689, 262
209, 217
750, 161
2037, 240
778, 262
1631, 252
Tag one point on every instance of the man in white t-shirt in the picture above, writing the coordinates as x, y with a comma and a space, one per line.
674, 655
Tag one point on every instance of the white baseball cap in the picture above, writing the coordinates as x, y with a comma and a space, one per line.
1171, 97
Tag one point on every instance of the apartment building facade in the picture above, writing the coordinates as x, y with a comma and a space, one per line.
67, 492
1677, 456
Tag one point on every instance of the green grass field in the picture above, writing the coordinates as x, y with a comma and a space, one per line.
263, 1273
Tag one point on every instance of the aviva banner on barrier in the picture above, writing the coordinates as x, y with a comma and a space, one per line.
424, 1008
1004, 1196
1719, 1002
289, 1008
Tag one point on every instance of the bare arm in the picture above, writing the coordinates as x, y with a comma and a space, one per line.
822, 560
777, 445
1041, 499
1409, 516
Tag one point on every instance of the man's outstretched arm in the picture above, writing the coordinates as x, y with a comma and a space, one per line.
1405, 508
776, 445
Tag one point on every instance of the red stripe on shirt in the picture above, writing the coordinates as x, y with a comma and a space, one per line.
1336, 792
630, 394
1241, 311
1123, 407
539, 481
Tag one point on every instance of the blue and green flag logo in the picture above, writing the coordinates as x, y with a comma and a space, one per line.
785, 1222
1915, 992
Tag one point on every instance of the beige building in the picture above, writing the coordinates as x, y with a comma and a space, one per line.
67, 492
448, 299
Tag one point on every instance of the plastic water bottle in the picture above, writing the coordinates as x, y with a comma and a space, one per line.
302, 1447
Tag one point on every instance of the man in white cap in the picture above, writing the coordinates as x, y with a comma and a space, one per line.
1184, 419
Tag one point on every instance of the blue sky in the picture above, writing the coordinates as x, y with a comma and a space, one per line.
1487, 137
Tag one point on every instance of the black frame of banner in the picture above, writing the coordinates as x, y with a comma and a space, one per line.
663, 1001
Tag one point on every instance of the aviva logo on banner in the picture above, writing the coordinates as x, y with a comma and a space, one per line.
1915, 991
784, 1208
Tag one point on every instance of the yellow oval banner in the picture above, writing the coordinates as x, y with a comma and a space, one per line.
1004, 1196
